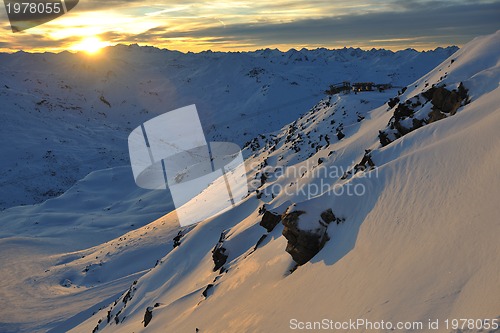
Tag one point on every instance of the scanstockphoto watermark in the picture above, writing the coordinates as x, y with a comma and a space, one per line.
363, 324
310, 180
359, 324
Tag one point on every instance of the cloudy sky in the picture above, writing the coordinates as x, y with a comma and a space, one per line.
226, 25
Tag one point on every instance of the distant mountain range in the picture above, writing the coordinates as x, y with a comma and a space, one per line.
65, 115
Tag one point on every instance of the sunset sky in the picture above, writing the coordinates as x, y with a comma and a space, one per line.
250, 25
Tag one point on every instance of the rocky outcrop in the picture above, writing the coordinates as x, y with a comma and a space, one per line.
219, 254
270, 220
148, 316
366, 163
393, 102
177, 239
408, 116
327, 216
303, 244
446, 101
261, 239
207, 289
384, 139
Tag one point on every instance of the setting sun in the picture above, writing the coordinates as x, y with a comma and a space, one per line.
90, 45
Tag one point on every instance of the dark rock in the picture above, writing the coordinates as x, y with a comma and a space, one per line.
327, 216
261, 239
367, 159
148, 316
219, 255
428, 93
127, 297
402, 111
444, 103
303, 244
263, 179
393, 101
445, 100
270, 220
102, 99
402, 130
448, 101
384, 139
435, 115
462, 91
205, 292
177, 239
417, 123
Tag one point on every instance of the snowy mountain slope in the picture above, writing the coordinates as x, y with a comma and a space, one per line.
105, 201
69, 113
56, 129
81, 248
420, 243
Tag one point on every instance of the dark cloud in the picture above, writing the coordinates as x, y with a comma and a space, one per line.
36, 42
384, 23
430, 22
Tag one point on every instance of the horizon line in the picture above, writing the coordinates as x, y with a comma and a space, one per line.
364, 49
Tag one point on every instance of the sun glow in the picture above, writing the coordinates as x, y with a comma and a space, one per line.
90, 45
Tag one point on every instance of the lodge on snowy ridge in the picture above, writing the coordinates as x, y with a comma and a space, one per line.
347, 87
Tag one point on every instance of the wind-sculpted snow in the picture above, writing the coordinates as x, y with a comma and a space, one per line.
405, 231
414, 240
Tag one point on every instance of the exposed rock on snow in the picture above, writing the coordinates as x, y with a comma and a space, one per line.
177, 239
261, 239
416, 112
304, 244
148, 315
219, 254
328, 216
270, 220
447, 101
207, 289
